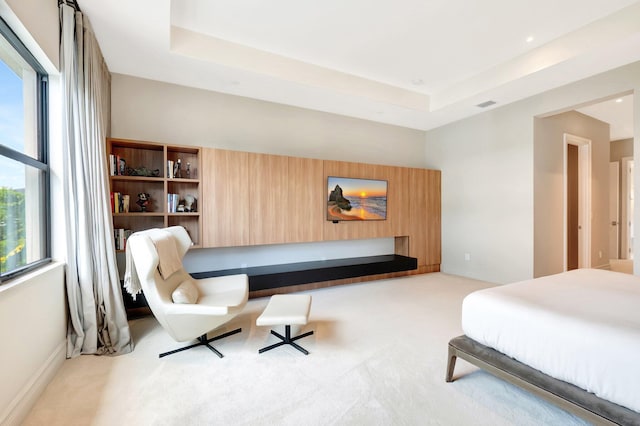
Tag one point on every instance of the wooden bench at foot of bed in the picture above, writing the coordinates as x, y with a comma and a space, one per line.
566, 396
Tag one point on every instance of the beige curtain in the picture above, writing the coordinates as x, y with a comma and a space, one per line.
97, 318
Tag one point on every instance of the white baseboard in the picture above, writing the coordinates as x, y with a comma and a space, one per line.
19, 408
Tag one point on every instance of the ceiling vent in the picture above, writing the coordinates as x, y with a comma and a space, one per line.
486, 104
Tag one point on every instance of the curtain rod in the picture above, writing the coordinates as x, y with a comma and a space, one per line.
73, 3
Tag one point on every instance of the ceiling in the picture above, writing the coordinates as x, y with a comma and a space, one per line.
412, 63
618, 112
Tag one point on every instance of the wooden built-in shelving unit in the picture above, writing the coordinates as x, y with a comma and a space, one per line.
248, 199
154, 156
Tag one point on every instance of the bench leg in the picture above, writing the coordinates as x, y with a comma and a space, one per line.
287, 340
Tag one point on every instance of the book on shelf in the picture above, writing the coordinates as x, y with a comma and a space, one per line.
119, 202
115, 202
120, 236
172, 202
117, 165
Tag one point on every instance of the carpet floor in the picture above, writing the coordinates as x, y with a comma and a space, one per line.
378, 357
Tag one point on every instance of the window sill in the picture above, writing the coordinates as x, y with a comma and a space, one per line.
30, 276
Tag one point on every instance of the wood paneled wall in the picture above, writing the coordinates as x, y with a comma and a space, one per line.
424, 216
251, 199
225, 198
433, 213
268, 198
305, 183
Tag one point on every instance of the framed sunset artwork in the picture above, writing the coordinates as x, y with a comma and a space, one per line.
356, 199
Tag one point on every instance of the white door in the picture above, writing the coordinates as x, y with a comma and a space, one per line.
614, 218
630, 209
577, 237
626, 228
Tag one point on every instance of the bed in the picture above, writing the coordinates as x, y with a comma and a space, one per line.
571, 338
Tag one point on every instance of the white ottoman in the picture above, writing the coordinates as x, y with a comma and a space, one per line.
286, 309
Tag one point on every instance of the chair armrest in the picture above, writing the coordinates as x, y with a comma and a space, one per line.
232, 290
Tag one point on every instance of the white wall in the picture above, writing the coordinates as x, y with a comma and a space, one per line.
487, 203
488, 173
33, 324
155, 111
620, 149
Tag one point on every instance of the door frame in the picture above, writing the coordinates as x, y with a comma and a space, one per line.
584, 199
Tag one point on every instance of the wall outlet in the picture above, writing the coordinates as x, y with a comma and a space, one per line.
467, 256
600, 254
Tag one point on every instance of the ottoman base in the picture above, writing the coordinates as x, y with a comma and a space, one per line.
287, 340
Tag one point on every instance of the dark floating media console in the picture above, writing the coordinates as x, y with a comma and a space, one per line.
274, 276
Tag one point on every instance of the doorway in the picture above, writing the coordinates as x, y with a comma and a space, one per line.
614, 210
577, 202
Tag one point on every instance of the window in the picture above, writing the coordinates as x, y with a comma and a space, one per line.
24, 172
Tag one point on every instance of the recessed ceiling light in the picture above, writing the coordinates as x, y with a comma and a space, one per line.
529, 39
619, 100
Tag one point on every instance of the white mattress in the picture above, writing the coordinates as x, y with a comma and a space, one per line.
581, 326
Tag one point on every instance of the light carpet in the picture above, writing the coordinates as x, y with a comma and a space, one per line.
378, 357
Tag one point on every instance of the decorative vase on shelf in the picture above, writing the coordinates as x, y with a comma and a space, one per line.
189, 200
177, 173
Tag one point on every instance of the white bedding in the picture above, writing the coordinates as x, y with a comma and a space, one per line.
581, 326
